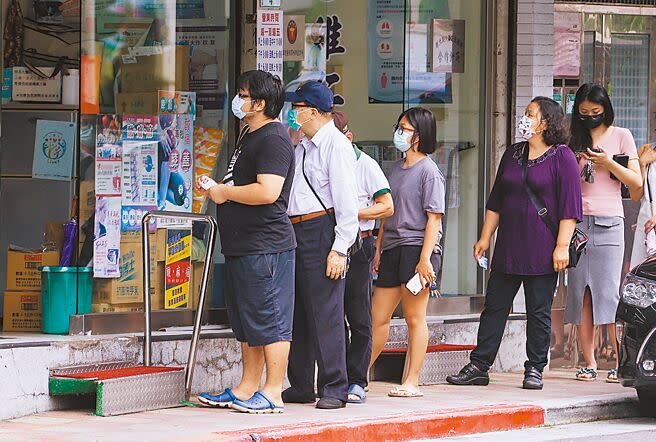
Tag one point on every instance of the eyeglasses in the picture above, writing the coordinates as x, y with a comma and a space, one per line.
401, 129
295, 106
243, 96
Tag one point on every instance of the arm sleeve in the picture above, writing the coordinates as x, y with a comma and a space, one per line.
495, 199
277, 158
341, 174
433, 194
568, 187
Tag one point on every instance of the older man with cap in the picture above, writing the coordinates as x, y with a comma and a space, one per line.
323, 211
374, 202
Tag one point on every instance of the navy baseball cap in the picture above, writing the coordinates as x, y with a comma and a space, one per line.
314, 93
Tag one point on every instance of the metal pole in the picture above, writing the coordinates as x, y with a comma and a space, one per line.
209, 258
209, 261
146, 287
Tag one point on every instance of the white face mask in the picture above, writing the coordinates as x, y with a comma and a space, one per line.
237, 104
401, 140
524, 128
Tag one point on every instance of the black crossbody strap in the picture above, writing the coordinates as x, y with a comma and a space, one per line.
543, 213
332, 215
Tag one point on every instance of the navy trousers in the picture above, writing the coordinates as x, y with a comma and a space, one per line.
357, 306
318, 332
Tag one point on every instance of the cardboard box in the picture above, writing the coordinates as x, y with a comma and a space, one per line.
87, 200
117, 308
157, 299
22, 311
150, 69
137, 103
128, 288
23, 269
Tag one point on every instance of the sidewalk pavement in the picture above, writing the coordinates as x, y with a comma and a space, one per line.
443, 411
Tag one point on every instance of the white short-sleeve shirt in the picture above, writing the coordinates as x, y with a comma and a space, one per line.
371, 183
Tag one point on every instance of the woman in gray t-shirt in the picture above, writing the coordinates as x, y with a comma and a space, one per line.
408, 242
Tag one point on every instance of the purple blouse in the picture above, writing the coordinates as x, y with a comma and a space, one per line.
524, 244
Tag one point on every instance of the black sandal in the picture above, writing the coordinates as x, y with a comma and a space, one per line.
586, 374
612, 377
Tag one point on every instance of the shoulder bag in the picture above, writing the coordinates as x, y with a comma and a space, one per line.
579, 238
357, 245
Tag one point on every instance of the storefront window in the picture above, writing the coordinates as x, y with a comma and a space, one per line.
155, 75
385, 56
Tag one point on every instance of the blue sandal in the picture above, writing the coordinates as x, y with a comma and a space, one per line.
222, 400
358, 391
259, 403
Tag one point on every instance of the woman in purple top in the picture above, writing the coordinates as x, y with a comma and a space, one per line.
526, 252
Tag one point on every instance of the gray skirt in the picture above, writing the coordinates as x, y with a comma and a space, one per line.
599, 268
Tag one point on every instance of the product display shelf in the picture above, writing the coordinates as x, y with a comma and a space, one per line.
39, 107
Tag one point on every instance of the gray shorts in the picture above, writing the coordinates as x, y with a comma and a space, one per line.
260, 297
599, 268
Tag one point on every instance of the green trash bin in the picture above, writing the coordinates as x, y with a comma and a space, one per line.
65, 291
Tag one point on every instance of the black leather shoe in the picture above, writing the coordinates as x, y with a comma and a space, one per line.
291, 396
532, 379
330, 403
469, 375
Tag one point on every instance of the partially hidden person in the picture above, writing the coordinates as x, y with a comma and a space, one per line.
608, 158
526, 250
644, 243
374, 203
408, 242
324, 213
258, 242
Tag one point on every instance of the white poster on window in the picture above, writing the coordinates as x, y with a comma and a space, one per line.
294, 49
449, 46
315, 47
107, 237
568, 33
270, 44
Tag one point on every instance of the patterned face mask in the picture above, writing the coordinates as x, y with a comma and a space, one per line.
524, 128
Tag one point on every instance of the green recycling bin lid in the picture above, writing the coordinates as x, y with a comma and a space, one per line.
56, 269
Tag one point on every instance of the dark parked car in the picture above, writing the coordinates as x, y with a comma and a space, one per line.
636, 333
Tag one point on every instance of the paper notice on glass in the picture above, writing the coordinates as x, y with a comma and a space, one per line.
270, 45
139, 173
294, 48
206, 64
178, 269
131, 217
417, 47
108, 178
449, 46
315, 47
140, 128
176, 102
568, 33
54, 144
107, 237
108, 155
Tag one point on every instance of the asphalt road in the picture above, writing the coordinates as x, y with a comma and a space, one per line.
625, 430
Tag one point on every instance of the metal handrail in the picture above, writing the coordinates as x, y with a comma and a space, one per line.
209, 256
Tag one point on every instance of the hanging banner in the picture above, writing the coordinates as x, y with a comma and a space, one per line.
107, 237
449, 46
315, 47
270, 46
54, 144
178, 269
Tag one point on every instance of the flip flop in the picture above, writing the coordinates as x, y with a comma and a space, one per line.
259, 403
358, 391
612, 377
402, 392
222, 400
586, 374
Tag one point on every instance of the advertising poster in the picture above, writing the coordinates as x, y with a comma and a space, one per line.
294, 47
449, 46
387, 80
568, 33
176, 102
175, 163
315, 47
54, 145
107, 237
270, 44
108, 155
178, 269
139, 173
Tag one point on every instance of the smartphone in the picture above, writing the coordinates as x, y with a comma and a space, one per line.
206, 182
622, 160
414, 285
483, 262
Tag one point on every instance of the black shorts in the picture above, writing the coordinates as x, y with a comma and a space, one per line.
397, 265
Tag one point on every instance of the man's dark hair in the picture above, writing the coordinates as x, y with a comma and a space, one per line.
552, 112
266, 87
423, 122
580, 135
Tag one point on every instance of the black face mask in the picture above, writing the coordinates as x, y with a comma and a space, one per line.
591, 121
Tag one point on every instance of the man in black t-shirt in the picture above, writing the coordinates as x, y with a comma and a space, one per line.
258, 242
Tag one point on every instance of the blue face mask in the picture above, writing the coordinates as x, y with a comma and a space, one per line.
292, 119
401, 140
